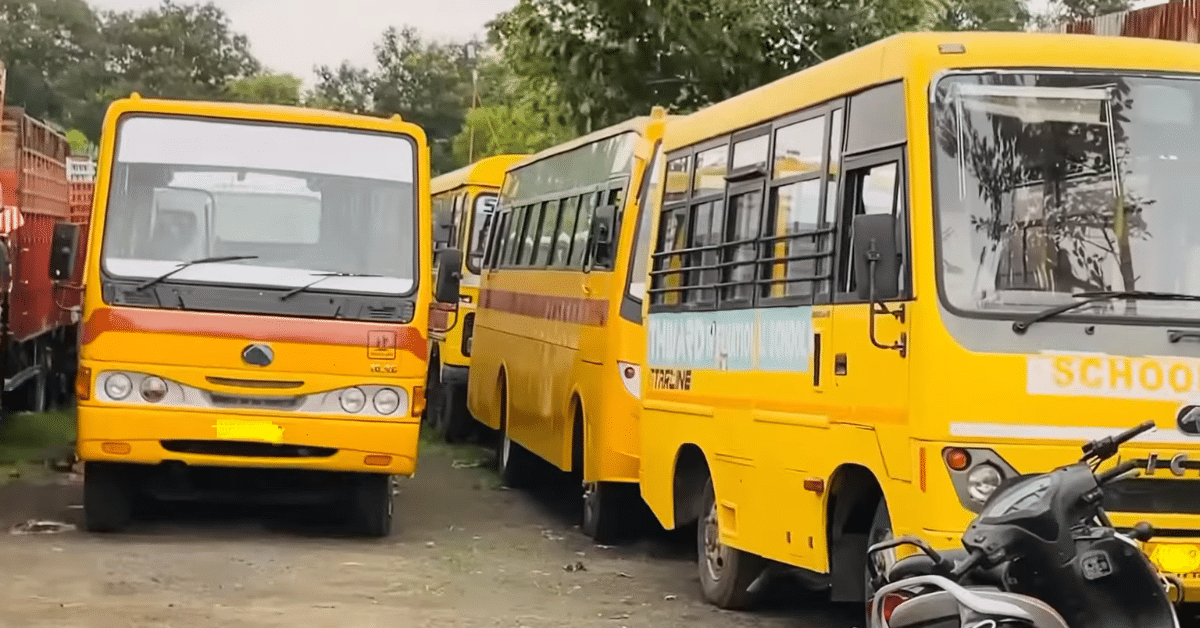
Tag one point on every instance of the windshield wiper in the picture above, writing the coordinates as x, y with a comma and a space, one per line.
202, 260
1085, 298
322, 277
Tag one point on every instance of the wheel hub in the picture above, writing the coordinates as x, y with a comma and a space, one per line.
715, 553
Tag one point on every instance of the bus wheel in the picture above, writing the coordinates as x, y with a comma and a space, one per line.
373, 505
455, 420
726, 573
881, 530
515, 462
607, 508
107, 499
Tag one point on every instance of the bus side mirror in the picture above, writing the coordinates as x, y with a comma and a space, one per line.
602, 234
449, 273
63, 248
442, 226
876, 257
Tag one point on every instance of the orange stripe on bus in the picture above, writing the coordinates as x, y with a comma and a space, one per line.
578, 310
255, 327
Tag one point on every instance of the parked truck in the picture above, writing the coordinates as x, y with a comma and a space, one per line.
40, 213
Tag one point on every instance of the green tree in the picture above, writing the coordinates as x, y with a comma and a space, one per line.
1070, 10
991, 15
427, 83
615, 59
52, 52
344, 88
276, 89
511, 114
177, 50
79, 141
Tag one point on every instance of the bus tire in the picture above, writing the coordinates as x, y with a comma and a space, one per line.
107, 498
726, 573
515, 463
373, 505
455, 421
607, 511
881, 530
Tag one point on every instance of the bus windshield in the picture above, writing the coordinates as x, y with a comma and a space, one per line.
301, 200
1049, 184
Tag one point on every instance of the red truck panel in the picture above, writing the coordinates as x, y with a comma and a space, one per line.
34, 175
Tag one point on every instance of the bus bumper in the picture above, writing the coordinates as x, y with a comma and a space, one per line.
207, 439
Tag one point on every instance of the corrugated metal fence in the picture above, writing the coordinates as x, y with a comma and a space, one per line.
1175, 21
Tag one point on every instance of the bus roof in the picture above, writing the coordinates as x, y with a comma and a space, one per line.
135, 103
488, 171
917, 56
637, 125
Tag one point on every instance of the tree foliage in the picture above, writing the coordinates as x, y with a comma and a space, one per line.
551, 69
278, 89
426, 82
992, 15
615, 59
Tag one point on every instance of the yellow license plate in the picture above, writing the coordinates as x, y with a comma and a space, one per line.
233, 429
1176, 558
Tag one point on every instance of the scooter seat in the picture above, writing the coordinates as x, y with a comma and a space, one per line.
921, 565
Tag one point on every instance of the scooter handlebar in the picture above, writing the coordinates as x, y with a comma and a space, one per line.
1107, 447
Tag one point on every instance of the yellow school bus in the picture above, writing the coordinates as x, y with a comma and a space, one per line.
904, 285
558, 338
257, 296
464, 202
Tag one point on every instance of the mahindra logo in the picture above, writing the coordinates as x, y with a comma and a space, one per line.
1188, 420
258, 355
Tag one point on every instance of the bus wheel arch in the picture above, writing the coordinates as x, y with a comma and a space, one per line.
855, 498
514, 462
687, 494
575, 407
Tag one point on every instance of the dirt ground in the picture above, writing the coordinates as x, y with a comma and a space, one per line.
464, 553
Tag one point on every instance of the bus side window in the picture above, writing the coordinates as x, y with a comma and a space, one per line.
583, 229
510, 239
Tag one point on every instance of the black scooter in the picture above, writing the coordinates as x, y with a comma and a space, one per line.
1042, 553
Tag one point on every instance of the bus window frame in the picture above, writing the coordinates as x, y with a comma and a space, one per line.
631, 306
827, 228
898, 155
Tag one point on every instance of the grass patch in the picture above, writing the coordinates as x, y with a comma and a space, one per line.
31, 437
26, 440
468, 457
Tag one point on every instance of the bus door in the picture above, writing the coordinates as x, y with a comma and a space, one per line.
870, 368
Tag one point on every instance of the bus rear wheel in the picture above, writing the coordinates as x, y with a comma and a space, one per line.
373, 505
726, 573
515, 462
609, 510
107, 497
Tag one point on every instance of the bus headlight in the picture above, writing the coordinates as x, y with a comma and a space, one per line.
353, 400
153, 389
118, 386
386, 401
982, 482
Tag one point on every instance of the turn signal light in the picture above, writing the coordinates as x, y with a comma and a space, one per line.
116, 449
83, 383
957, 459
418, 404
377, 460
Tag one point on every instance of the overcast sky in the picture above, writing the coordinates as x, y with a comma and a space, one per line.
294, 35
